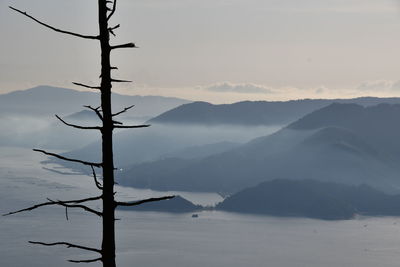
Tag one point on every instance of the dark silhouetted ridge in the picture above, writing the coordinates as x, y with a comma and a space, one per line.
314, 199
258, 112
175, 205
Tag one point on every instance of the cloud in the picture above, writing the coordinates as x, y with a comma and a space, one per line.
231, 92
245, 88
321, 90
396, 86
375, 85
379, 86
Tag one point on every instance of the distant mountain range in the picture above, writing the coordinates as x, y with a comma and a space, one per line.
345, 143
27, 117
255, 112
308, 198
239, 123
45, 100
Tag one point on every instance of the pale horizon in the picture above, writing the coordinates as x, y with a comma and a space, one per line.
214, 98
216, 51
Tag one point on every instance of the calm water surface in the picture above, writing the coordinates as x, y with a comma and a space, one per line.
149, 239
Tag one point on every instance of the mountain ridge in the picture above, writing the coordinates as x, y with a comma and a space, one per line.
44, 100
313, 199
361, 152
255, 112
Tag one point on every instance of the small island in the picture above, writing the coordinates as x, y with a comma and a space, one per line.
312, 199
175, 205
293, 198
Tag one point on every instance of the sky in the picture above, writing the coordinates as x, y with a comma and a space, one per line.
219, 51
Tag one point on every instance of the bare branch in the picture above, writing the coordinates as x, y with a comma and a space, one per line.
120, 81
115, 27
66, 213
87, 86
97, 183
69, 245
94, 164
78, 126
113, 10
111, 29
96, 110
127, 45
131, 126
123, 111
52, 203
84, 200
86, 208
86, 261
30, 208
53, 28
140, 202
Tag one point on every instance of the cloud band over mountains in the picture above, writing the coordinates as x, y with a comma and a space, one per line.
243, 88
380, 85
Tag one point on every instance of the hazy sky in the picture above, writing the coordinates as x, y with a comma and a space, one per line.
214, 50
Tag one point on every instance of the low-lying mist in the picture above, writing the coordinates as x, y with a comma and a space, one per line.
159, 141
42, 131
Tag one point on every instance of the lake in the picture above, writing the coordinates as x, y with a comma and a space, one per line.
148, 239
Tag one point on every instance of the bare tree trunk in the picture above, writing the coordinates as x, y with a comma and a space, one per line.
108, 243
105, 114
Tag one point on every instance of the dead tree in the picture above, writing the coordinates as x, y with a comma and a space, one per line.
106, 10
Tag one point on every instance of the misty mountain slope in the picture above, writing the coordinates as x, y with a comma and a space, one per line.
310, 198
340, 138
331, 153
27, 117
132, 146
161, 141
338, 155
254, 112
352, 116
377, 125
145, 172
202, 151
184, 174
340, 160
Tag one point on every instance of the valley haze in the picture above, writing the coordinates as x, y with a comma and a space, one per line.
235, 164
198, 146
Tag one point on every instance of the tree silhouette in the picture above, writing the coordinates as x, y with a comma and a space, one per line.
106, 9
